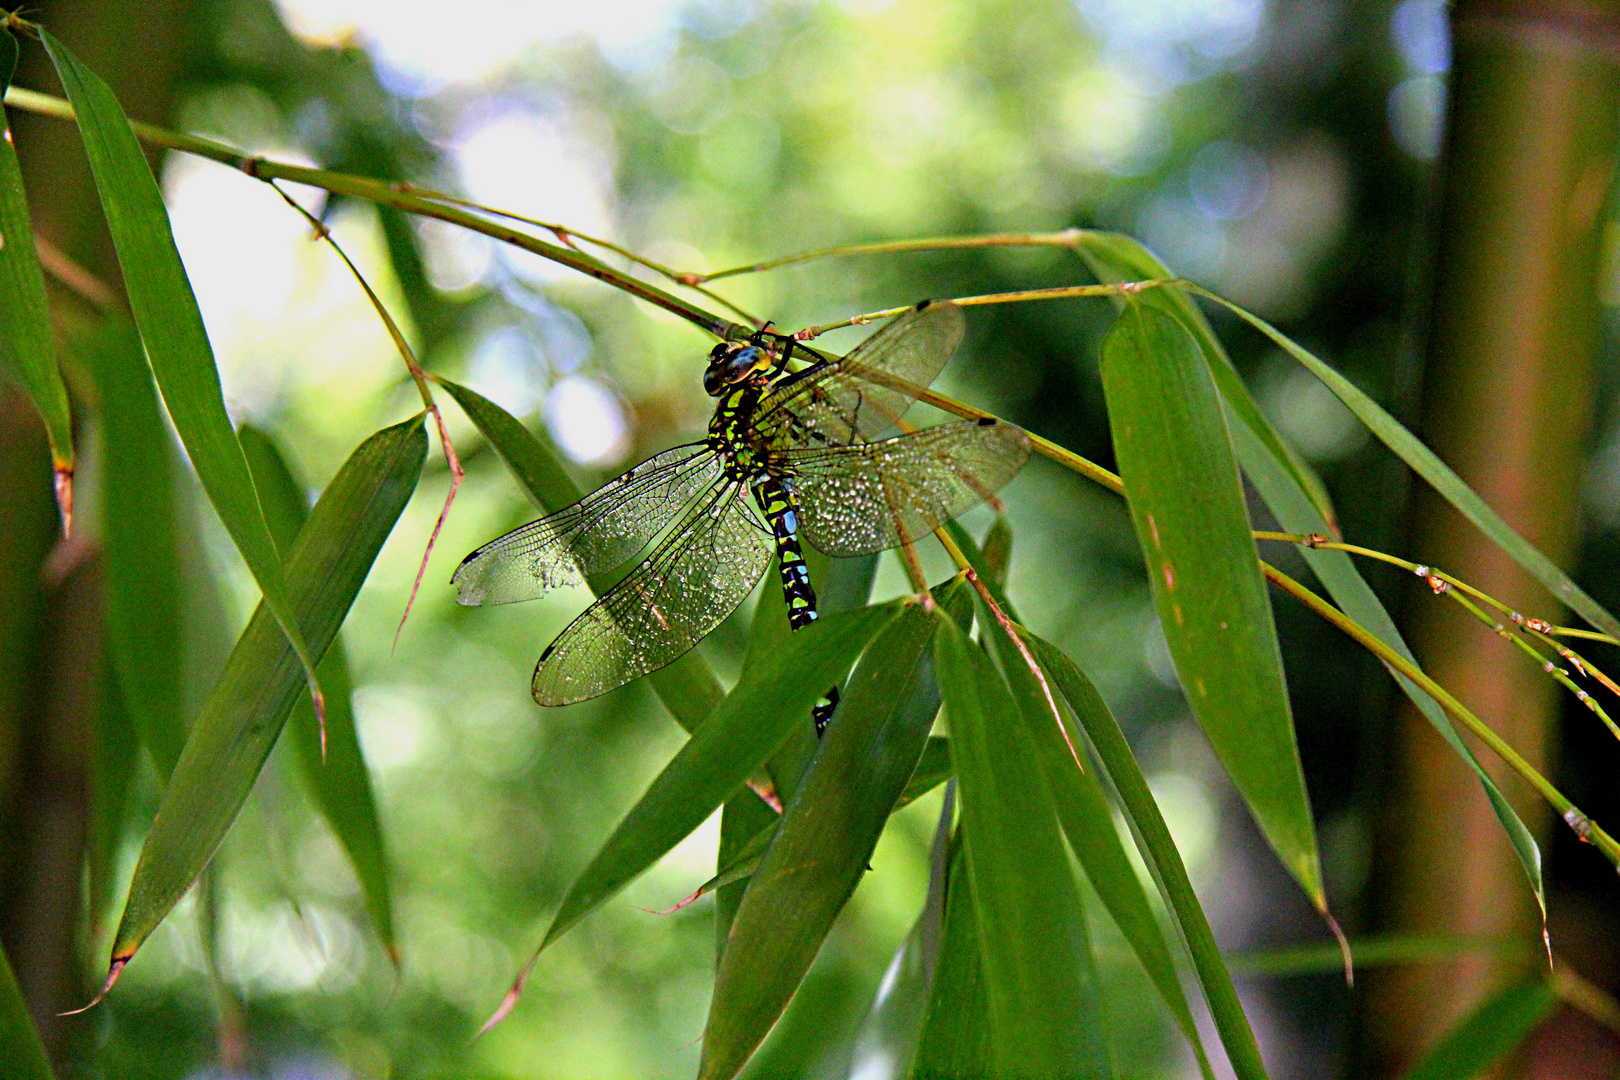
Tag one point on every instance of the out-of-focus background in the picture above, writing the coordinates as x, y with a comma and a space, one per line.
1283, 153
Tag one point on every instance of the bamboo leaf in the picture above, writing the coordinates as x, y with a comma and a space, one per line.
933, 769
744, 730
1082, 810
1159, 852
26, 342
1176, 458
1440, 476
688, 687
172, 331
826, 837
113, 769
262, 680
336, 771
1489, 1034
142, 555
1115, 257
1045, 1007
890, 1036
24, 1054
958, 1037
1294, 494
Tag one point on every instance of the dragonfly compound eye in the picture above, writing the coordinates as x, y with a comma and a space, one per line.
732, 362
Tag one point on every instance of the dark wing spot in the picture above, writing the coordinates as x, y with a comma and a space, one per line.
987, 421
922, 305
547, 653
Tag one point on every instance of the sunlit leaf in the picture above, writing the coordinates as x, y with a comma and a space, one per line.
27, 345
22, 1055
172, 331
822, 846
336, 771
1159, 852
1488, 1034
1295, 496
1181, 480
1045, 1006
139, 542
263, 679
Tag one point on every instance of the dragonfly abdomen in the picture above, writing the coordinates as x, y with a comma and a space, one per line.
776, 503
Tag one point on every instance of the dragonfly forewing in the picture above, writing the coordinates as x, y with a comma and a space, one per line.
594, 535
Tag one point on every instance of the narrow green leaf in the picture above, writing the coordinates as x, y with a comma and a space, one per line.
1181, 480
262, 680
113, 768
688, 687
23, 1056
1114, 257
1045, 1007
1294, 494
933, 769
1489, 1034
337, 778
1451, 487
1327, 959
744, 730
26, 342
1082, 810
822, 846
1159, 852
957, 1038
172, 331
888, 1040
138, 538
746, 827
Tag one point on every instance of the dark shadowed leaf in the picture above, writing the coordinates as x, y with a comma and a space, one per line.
339, 779
826, 837
957, 1040
1082, 810
113, 770
27, 345
22, 1055
1489, 1034
887, 1043
263, 679
1158, 850
171, 328
1045, 1007
1181, 479
139, 542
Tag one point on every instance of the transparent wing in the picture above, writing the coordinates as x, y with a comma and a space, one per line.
855, 500
597, 533
695, 578
860, 396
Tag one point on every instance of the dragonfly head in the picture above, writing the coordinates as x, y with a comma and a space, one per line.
733, 362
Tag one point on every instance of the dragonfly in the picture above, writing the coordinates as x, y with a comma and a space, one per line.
790, 454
